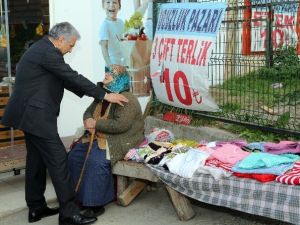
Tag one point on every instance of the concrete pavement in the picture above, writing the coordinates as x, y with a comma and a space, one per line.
12, 193
149, 208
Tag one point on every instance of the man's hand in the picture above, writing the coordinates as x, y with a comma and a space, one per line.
89, 124
116, 98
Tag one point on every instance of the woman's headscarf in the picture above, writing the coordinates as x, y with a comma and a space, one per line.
120, 82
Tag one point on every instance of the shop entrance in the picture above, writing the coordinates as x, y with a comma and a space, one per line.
22, 22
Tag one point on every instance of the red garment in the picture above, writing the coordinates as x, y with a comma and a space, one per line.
292, 176
260, 177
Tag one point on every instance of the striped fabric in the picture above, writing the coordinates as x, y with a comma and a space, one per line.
213, 162
273, 199
131, 154
292, 176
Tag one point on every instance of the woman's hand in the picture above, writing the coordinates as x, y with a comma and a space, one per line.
89, 124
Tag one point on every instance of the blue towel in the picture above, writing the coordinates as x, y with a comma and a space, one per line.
276, 170
261, 160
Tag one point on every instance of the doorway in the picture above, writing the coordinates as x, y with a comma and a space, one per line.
22, 22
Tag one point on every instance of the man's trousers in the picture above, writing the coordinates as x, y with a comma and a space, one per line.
42, 154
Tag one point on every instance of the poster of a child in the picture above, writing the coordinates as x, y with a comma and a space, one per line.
112, 32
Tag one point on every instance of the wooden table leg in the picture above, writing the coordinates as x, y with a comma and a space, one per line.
181, 204
131, 192
122, 184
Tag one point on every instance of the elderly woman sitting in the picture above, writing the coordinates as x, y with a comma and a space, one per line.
117, 129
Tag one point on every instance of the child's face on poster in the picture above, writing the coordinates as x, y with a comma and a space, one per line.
111, 8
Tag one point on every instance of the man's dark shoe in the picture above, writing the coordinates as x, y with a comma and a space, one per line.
76, 220
94, 211
37, 214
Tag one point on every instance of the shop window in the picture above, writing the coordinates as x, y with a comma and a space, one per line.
22, 22
28, 22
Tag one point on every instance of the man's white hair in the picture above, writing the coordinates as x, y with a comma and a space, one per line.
64, 29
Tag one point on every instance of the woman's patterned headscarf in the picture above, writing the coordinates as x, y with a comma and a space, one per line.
120, 82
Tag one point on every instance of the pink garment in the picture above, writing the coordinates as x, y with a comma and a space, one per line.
240, 143
292, 176
144, 142
229, 153
282, 147
130, 155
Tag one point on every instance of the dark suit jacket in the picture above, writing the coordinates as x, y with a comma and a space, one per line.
42, 75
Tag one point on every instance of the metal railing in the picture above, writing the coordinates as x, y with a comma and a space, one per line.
254, 70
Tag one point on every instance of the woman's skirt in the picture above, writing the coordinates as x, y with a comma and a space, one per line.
97, 186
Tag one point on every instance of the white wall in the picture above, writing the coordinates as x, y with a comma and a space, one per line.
86, 57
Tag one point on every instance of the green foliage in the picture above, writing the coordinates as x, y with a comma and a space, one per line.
291, 98
286, 56
254, 135
230, 107
198, 122
283, 120
264, 88
286, 65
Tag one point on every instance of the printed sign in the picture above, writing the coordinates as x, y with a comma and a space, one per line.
283, 25
178, 118
185, 35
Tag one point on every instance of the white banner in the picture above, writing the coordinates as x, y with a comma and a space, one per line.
184, 38
283, 27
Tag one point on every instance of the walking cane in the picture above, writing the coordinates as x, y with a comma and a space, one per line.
86, 157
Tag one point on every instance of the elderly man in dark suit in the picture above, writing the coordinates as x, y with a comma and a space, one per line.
42, 75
